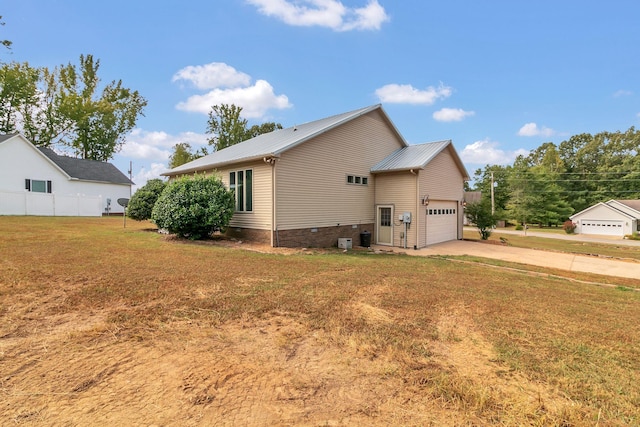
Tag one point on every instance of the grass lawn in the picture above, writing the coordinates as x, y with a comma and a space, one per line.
105, 325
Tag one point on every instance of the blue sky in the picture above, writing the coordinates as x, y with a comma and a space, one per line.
498, 77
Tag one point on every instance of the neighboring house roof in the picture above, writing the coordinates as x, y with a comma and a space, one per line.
273, 144
4, 137
633, 204
87, 170
80, 169
627, 212
416, 157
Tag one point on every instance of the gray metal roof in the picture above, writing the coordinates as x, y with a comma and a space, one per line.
274, 143
416, 157
87, 170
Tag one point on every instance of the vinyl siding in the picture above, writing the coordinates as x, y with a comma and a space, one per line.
260, 217
605, 213
441, 180
312, 189
399, 190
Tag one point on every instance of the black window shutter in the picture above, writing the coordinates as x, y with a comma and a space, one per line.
27, 184
48, 186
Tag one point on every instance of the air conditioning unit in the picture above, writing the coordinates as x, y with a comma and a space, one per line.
345, 242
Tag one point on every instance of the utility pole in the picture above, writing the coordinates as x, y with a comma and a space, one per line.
493, 203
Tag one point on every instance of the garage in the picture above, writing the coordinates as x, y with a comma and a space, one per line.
442, 221
602, 227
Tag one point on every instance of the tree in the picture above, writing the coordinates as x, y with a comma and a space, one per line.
226, 126
501, 193
194, 206
256, 130
18, 95
480, 215
5, 43
141, 204
97, 125
181, 154
62, 107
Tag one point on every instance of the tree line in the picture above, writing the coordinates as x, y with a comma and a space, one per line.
554, 181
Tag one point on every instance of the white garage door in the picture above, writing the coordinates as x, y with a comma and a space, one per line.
442, 222
602, 226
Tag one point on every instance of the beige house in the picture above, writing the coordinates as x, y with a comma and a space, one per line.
340, 177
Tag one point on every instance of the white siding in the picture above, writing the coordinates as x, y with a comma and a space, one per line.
19, 160
601, 215
312, 189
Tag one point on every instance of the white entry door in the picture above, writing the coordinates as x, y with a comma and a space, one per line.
384, 226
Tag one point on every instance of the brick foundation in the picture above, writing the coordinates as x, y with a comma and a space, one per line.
321, 237
249, 234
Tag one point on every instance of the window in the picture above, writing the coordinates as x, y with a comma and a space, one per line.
385, 217
357, 180
37, 186
241, 183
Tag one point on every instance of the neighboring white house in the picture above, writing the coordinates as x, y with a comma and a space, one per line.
37, 181
340, 177
612, 218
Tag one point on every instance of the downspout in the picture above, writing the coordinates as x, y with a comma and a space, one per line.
417, 209
274, 229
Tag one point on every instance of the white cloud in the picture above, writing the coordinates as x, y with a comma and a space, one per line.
152, 149
452, 114
622, 92
213, 75
226, 85
532, 129
324, 13
407, 94
154, 170
150, 145
255, 100
487, 152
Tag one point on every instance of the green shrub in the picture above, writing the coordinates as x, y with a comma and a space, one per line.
569, 226
194, 207
142, 202
519, 227
480, 215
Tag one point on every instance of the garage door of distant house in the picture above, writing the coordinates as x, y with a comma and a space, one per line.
607, 227
442, 221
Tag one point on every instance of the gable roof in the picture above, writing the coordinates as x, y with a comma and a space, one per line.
76, 169
87, 170
609, 206
273, 144
417, 157
633, 204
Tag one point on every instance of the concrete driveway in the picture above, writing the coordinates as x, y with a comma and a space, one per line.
562, 261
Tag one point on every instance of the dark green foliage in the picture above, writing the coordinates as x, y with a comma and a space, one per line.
480, 215
142, 202
194, 207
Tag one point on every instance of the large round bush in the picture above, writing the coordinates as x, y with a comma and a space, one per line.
194, 206
142, 202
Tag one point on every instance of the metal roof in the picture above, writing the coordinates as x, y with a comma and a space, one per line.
87, 170
274, 143
416, 157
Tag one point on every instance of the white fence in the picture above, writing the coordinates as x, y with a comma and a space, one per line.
49, 204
